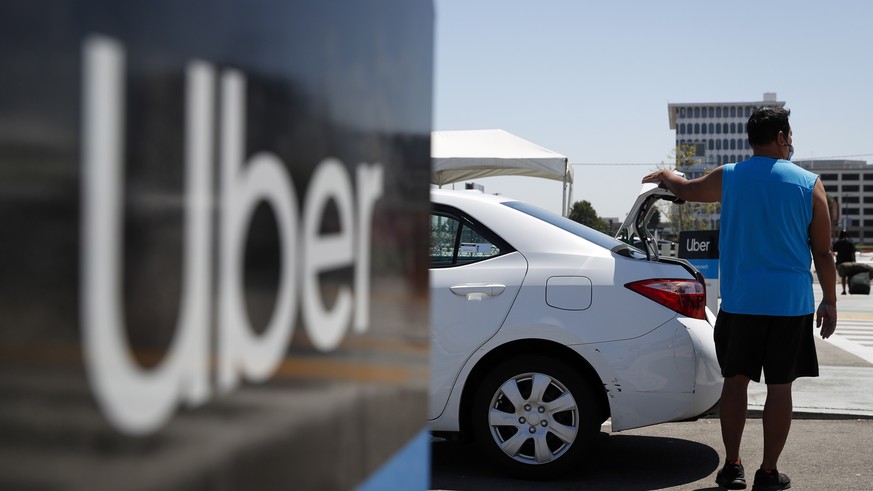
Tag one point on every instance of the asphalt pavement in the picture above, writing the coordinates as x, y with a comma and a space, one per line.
820, 455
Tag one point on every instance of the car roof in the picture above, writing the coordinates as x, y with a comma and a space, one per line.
468, 195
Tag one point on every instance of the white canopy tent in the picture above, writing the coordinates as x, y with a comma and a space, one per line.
470, 154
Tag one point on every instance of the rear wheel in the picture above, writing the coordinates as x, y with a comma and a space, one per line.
535, 416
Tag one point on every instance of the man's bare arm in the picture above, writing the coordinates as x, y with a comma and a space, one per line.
820, 244
705, 189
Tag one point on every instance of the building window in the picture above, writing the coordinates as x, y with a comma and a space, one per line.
868, 176
748, 111
696, 112
741, 128
696, 128
850, 188
718, 112
851, 177
831, 188
868, 211
717, 128
711, 128
724, 127
733, 144
733, 111
681, 112
703, 128
724, 143
682, 129
868, 199
829, 177
718, 147
733, 127
711, 112
856, 211
867, 189
711, 145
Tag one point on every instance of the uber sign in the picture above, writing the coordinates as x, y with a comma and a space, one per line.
699, 244
263, 178
700, 248
213, 246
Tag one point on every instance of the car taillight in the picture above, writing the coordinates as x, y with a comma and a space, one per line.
688, 297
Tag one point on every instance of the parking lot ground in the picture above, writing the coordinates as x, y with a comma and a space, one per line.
821, 454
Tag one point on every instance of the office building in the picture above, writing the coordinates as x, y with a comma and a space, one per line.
716, 130
850, 184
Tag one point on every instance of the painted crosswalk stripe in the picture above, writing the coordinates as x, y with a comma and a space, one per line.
855, 334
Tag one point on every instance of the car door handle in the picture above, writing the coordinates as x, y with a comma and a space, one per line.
489, 289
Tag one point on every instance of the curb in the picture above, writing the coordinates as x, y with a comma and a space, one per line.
757, 412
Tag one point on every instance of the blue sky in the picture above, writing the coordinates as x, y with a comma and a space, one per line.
592, 80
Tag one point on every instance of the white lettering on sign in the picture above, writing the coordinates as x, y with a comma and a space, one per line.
136, 400
697, 245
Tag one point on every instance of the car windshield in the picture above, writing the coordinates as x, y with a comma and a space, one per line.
577, 229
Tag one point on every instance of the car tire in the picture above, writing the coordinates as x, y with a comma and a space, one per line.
535, 417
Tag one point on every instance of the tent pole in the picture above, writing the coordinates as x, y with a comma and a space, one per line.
564, 193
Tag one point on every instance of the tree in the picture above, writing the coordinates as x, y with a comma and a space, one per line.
584, 213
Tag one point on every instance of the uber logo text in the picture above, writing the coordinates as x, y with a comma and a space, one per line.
136, 400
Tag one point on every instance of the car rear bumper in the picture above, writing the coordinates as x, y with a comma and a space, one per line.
669, 374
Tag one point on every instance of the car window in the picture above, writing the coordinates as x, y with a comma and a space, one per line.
455, 241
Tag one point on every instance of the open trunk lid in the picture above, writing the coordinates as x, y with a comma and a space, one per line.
634, 226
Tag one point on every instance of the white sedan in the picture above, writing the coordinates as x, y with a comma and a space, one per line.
543, 328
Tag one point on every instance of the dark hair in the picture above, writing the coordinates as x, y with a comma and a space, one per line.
765, 123
843, 234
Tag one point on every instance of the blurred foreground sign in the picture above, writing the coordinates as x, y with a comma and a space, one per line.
213, 229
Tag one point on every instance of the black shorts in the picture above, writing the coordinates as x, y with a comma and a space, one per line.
783, 346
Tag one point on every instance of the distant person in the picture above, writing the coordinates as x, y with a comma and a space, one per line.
773, 215
845, 251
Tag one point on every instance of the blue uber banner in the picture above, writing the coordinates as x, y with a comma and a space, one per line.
700, 248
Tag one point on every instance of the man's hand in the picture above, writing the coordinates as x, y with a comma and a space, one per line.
655, 177
705, 189
826, 318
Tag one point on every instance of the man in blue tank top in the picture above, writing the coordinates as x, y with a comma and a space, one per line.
774, 218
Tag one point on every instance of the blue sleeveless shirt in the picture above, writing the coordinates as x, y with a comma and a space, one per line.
764, 252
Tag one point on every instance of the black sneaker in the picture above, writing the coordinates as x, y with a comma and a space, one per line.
731, 476
770, 481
